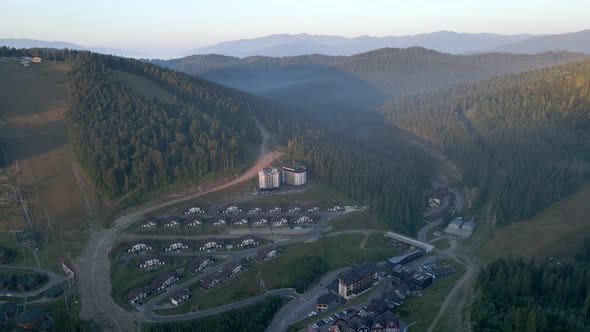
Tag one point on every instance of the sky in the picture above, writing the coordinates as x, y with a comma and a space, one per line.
153, 26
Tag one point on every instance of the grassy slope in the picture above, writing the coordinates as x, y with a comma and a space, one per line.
338, 251
557, 230
33, 106
358, 220
423, 309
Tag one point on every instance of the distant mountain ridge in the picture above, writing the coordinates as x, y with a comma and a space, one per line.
300, 44
34, 43
392, 71
573, 42
281, 45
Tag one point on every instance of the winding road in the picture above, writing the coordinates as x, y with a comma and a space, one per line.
93, 265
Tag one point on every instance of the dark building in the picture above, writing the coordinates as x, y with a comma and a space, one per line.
329, 301
405, 258
357, 280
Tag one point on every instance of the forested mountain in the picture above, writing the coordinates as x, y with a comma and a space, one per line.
136, 127
525, 138
127, 141
390, 175
574, 42
520, 296
357, 82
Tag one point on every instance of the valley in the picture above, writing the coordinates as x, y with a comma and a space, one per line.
137, 198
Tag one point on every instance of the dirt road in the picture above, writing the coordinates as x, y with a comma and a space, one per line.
466, 281
93, 265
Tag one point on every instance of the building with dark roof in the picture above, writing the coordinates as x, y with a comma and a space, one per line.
198, 263
136, 295
210, 281
386, 322
211, 243
294, 174
163, 280
177, 245
329, 301
139, 246
180, 296
357, 280
437, 196
265, 254
230, 270
405, 258
151, 261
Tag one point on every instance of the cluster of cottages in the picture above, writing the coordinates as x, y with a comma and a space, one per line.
165, 279
196, 264
172, 222
378, 316
180, 245
234, 215
162, 281
232, 269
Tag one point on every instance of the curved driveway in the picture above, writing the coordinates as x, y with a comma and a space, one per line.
54, 280
149, 316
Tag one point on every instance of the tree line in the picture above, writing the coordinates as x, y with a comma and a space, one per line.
518, 296
523, 137
255, 317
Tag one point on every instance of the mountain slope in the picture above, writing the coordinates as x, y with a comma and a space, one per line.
574, 42
301, 44
523, 138
137, 127
358, 82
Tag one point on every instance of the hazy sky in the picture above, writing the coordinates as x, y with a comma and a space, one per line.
183, 24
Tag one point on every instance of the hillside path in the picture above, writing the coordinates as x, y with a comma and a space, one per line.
93, 265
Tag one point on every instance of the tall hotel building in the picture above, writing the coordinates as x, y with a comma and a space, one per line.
268, 178
294, 174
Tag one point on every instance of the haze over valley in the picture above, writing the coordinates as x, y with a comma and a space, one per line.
329, 166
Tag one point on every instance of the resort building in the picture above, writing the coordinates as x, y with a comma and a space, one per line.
294, 174
268, 178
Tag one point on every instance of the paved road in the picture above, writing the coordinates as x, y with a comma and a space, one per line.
149, 316
54, 280
296, 310
458, 207
426, 228
93, 265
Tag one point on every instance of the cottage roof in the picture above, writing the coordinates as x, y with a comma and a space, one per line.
179, 293
135, 292
195, 262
